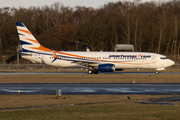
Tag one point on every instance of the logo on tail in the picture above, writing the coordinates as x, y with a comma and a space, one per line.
87, 49
28, 41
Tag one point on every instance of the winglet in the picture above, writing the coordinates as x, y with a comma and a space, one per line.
54, 55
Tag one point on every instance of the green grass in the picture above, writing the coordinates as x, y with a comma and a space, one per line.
119, 111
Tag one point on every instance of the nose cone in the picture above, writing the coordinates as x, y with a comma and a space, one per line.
170, 62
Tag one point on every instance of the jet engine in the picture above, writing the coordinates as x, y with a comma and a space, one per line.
106, 68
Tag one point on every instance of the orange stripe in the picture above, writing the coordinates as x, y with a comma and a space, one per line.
41, 48
103, 60
35, 41
54, 55
139, 55
25, 31
74, 55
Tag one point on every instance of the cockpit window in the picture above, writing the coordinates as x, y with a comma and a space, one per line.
163, 58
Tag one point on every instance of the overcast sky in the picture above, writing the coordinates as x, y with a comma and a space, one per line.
71, 3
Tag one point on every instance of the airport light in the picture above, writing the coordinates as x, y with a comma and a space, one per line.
175, 50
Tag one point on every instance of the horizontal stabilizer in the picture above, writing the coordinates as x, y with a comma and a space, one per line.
22, 53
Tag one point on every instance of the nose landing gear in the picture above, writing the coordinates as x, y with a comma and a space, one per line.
90, 71
157, 72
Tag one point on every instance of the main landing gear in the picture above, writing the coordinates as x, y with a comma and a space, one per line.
95, 71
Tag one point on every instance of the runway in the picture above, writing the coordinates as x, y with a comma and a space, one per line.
39, 73
90, 89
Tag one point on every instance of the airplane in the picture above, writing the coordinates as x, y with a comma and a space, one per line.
93, 61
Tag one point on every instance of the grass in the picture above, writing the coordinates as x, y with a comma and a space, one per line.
91, 78
122, 109
107, 107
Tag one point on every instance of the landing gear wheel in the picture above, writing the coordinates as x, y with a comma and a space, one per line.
157, 72
90, 71
95, 71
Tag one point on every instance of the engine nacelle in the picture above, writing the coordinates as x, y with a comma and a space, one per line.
106, 68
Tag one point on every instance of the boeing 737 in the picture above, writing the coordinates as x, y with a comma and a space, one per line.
93, 61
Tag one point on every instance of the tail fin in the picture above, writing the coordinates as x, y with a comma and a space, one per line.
87, 49
28, 41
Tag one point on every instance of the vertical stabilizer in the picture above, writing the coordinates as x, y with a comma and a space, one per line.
87, 49
28, 41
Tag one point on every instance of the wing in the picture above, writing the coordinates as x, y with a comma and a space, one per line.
80, 61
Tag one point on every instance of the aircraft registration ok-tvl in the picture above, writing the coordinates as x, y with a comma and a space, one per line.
93, 61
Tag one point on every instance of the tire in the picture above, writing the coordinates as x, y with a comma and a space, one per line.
96, 71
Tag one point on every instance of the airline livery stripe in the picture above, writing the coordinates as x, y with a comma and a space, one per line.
78, 56
32, 40
83, 58
74, 55
25, 31
139, 55
41, 48
70, 55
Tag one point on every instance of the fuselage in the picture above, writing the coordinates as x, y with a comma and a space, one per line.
119, 59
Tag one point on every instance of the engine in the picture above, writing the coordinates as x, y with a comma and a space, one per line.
106, 68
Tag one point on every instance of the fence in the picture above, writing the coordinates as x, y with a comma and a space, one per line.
34, 67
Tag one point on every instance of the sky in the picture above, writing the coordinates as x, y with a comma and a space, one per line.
71, 3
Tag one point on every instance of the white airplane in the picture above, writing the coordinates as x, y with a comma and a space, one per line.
93, 61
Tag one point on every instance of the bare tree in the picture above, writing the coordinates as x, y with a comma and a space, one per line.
4, 15
162, 25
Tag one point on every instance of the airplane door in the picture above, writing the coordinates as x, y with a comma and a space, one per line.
153, 58
43, 59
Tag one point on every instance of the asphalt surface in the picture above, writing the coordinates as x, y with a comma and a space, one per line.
84, 73
90, 89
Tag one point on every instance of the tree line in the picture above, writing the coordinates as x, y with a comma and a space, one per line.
149, 26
